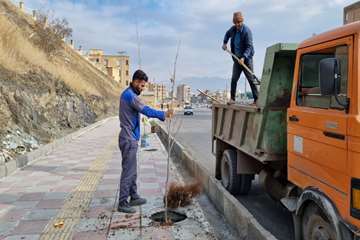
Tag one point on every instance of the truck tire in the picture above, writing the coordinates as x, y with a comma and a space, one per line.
316, 226
245, 183
233, 182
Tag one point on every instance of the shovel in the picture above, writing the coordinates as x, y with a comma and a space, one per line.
257, 81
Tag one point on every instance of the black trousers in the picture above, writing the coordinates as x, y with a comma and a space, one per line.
237, 70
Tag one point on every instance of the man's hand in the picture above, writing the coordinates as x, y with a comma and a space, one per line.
169, 113
224, 47
242, 60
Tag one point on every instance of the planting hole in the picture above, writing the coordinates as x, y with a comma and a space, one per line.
150, 149
172, 216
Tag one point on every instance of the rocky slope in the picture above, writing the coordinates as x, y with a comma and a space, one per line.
43, 98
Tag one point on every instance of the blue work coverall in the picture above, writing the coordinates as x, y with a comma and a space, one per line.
129, 114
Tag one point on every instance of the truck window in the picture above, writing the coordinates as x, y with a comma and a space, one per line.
308, 94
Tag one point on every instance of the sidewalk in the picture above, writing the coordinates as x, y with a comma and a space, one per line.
71, 194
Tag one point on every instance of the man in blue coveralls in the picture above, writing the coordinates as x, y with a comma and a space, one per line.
242, 46
129, 114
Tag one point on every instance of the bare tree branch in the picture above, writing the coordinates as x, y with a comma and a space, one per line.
169, 128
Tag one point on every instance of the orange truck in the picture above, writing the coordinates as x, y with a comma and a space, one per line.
302, 138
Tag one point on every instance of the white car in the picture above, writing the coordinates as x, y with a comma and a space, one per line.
188, 110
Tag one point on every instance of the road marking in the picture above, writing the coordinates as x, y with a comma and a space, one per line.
79, 199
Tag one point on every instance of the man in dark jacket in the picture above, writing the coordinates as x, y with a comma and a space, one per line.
242, 46
129, 114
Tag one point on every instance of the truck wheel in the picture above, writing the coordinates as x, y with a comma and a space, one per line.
229, 178
245, 183
233, 182
315, 226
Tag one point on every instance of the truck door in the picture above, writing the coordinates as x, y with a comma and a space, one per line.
317, 124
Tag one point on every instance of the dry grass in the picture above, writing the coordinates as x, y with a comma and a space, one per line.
19, 54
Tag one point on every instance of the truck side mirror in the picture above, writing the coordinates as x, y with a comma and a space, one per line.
329, 75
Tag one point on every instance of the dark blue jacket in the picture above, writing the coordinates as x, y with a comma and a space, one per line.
129, 114
246, 42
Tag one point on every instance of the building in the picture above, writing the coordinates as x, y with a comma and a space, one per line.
352, 13
160, 92
148, 97
183, 93
116, 67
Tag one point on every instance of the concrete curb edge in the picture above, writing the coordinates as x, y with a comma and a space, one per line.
235, 213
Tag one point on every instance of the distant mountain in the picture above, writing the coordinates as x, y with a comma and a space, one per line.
210, 83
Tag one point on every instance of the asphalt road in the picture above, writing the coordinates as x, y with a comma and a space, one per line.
195, 135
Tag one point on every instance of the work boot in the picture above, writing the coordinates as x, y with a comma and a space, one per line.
137, 201
126, 208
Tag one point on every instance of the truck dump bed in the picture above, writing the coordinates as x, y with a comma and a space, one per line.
260, 131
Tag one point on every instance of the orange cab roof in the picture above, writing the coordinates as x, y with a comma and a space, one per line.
346, 30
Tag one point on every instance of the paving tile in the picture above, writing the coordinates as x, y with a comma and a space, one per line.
111, 176
25, 204
30, 227
113, 171
102, 202
150, 192
50, 203
41, 214
23, 237
55, 195
109, 181
46, 183
62, 189
92, 224
14, 215
7, 227
4, 208
8, 198
34, 196
105, 193
89, 236
148, 179
104, 187
149, 185
96, 212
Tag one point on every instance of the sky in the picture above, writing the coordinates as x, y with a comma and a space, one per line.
199, 26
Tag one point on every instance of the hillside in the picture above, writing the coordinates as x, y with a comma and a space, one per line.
44, 97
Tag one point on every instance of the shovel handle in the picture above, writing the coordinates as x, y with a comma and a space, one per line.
242, 64
207, 95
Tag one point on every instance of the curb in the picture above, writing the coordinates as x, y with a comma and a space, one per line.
235, 213
26, 159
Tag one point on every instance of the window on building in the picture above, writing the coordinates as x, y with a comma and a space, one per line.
308, 94
127, 62
120, 72
97, 60
127, 73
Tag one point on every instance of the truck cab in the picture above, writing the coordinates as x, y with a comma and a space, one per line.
303, 136
323, 125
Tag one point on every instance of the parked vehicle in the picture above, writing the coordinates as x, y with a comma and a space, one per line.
188, 110
303, 136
